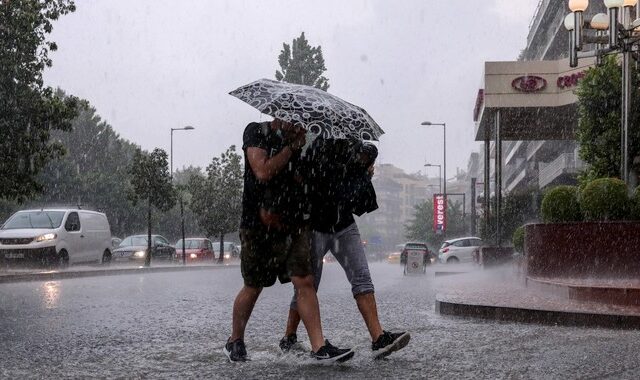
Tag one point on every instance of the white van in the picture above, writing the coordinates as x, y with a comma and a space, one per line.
56, 236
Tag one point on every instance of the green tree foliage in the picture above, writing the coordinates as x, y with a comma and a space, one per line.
420, 227
94, 172
151, 182
517, 209
605, 199
560, 204
518, 239
29, 111
217, 198
302, 63
599, 107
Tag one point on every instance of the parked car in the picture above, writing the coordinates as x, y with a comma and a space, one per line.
459, 250
56, 237
231, 249
195, 249
134, 248
393, 257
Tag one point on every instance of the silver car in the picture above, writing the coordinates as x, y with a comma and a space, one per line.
459, 250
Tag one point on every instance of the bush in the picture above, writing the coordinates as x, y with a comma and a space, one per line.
518, 239
605, 199
560, 204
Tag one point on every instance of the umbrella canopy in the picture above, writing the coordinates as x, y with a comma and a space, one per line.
315, 110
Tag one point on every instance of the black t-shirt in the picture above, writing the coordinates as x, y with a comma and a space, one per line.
284, 194
340, 185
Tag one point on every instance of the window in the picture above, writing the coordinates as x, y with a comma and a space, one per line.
460, 243
73, 222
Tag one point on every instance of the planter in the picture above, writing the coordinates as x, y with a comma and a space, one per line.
583, 249
492, 256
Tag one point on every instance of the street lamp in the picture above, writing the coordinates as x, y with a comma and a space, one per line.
184, 254
439, 175
444, 161
615, 33
187, 128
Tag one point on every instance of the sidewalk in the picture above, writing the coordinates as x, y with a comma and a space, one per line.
77, 271
501, 294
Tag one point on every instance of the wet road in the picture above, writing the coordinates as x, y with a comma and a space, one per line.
173, 325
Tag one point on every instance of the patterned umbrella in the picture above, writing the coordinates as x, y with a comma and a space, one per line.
315, 110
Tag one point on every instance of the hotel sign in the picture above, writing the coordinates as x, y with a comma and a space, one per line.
529, 83
439, 213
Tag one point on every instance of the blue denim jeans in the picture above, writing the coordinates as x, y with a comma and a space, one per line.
346, 247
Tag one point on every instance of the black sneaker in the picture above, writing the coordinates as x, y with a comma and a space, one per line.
389, 342
235, 351
287, 342
332, 354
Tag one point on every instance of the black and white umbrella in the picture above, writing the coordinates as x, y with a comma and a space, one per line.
315, 110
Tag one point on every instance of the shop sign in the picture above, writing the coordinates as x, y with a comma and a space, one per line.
439, 213
529, 83
572, 80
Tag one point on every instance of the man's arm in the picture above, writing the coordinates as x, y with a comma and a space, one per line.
264, 167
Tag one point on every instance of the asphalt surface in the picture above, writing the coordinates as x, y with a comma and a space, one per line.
173, 325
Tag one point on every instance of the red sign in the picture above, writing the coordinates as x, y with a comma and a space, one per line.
439, 213
529, 84
570, 80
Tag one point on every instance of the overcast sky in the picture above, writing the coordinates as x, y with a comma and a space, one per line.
151, 65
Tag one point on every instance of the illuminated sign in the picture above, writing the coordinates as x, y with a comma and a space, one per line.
529, 83
439, 213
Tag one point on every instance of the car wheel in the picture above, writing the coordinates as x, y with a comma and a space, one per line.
106, 257
63, 259
453, 260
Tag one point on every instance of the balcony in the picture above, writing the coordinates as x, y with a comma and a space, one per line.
562, 170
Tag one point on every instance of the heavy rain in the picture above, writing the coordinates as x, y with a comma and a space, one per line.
297, 189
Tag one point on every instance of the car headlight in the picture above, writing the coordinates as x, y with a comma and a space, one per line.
138, 254
193, 255
46, 237
227, 256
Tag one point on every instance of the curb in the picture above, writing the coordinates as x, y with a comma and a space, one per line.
547, 317
51, 276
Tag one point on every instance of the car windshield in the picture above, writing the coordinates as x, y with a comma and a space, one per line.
134, 241
34, 219
191, 244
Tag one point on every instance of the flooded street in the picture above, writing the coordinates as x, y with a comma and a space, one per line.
173, 325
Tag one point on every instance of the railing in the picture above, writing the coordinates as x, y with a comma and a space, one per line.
565, 163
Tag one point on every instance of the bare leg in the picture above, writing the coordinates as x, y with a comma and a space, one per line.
309, 310
367, 306
292, 322
242, 308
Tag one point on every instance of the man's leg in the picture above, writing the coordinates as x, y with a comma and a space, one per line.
319, 243
351, 256
242, 308
308, 309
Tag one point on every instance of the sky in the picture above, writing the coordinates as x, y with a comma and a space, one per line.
151, 65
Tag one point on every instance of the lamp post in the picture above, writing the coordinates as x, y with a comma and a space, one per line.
439, 175
444, 161
187, 128
184, 254
615, 33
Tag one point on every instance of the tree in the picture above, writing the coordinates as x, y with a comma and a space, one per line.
151, 182
302, 64
93, 173
420, 228
29, 111
217, 198
599, 107
518, 208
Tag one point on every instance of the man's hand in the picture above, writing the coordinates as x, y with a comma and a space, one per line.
296, 138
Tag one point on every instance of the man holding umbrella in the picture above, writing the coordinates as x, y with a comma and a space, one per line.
275, 235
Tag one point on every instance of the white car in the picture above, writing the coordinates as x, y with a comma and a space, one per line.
459, 250
56, 236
